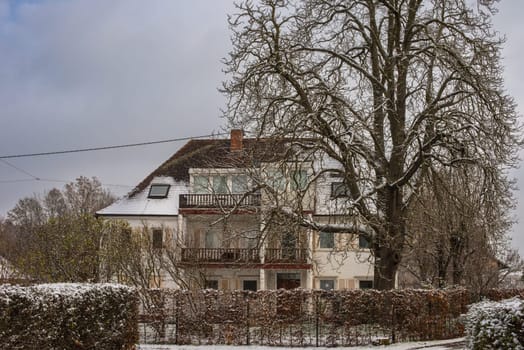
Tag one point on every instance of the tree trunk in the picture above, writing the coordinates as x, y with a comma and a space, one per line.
386, 264
389, 242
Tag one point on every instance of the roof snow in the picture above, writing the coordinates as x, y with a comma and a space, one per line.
140, 205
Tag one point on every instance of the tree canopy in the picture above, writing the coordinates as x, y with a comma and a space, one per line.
387, 88
57, 238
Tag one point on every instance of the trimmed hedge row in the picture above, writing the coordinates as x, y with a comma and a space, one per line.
68, 316
306, 317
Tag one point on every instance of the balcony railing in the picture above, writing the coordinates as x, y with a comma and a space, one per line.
221, 255
243, 255
215, 200
286, 255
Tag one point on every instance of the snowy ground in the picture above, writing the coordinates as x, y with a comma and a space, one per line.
430, 345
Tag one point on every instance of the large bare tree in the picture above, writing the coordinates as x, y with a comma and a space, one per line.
385, 87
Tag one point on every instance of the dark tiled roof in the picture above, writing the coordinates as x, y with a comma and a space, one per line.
217, 154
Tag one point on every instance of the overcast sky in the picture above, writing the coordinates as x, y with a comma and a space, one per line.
87, 73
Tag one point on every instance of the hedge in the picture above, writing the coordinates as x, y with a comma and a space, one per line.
305, 317
496, 325
68, 316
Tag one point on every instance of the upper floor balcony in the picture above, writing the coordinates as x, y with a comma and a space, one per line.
245, 256
220, 255
218, 200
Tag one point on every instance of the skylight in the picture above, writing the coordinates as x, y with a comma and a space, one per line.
158, 191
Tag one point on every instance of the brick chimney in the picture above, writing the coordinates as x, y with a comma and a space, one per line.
236, 140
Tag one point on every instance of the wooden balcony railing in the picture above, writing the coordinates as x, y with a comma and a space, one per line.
286, 255
243, 255
222, 255
215, 200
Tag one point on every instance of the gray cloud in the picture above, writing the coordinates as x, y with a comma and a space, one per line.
81, 73
94, 72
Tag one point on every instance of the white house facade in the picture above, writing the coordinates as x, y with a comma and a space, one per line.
219, 204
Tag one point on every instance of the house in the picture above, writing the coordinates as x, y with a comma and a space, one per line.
225, 207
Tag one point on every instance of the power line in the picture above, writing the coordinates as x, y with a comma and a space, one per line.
19, 169
106, 147
36, 178
58, 181
15, 181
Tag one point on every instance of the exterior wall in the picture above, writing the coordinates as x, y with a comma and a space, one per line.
232, 233
346, 262
324, 203
231, 279
347, 268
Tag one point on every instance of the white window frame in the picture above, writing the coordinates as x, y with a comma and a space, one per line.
332, 279
320, 240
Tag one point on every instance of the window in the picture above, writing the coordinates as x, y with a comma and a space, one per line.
200, 184
365, 284
363, 243
252, 239
249, 285
338, 189
327, 284
158, 191
157, 238
276, 180
326, 240
239, 184
211, 284
212, 240
299, 181
220, 184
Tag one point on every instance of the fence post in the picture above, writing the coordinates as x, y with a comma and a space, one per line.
247, 319
393, 325
317, 307
176, 318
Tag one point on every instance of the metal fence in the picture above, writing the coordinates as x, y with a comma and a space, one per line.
300, 317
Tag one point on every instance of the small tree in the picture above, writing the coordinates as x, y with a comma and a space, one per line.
57, 238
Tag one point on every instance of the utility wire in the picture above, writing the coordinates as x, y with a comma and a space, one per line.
106, 147
19, 169
59, 181
36, 178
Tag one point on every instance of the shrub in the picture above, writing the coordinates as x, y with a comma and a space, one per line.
496, 325
68, 316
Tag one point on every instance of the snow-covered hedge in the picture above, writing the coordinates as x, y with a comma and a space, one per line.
68, 316
496, 325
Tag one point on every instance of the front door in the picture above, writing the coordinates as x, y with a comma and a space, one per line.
288, 280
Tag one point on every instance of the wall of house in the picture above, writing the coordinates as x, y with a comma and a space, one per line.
347, 268
234, 232
231, 278
345, 262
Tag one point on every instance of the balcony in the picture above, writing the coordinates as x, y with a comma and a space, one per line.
243, 256
220, 255
286, 255
215, 200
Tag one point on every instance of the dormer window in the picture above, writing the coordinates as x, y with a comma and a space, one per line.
158, 191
